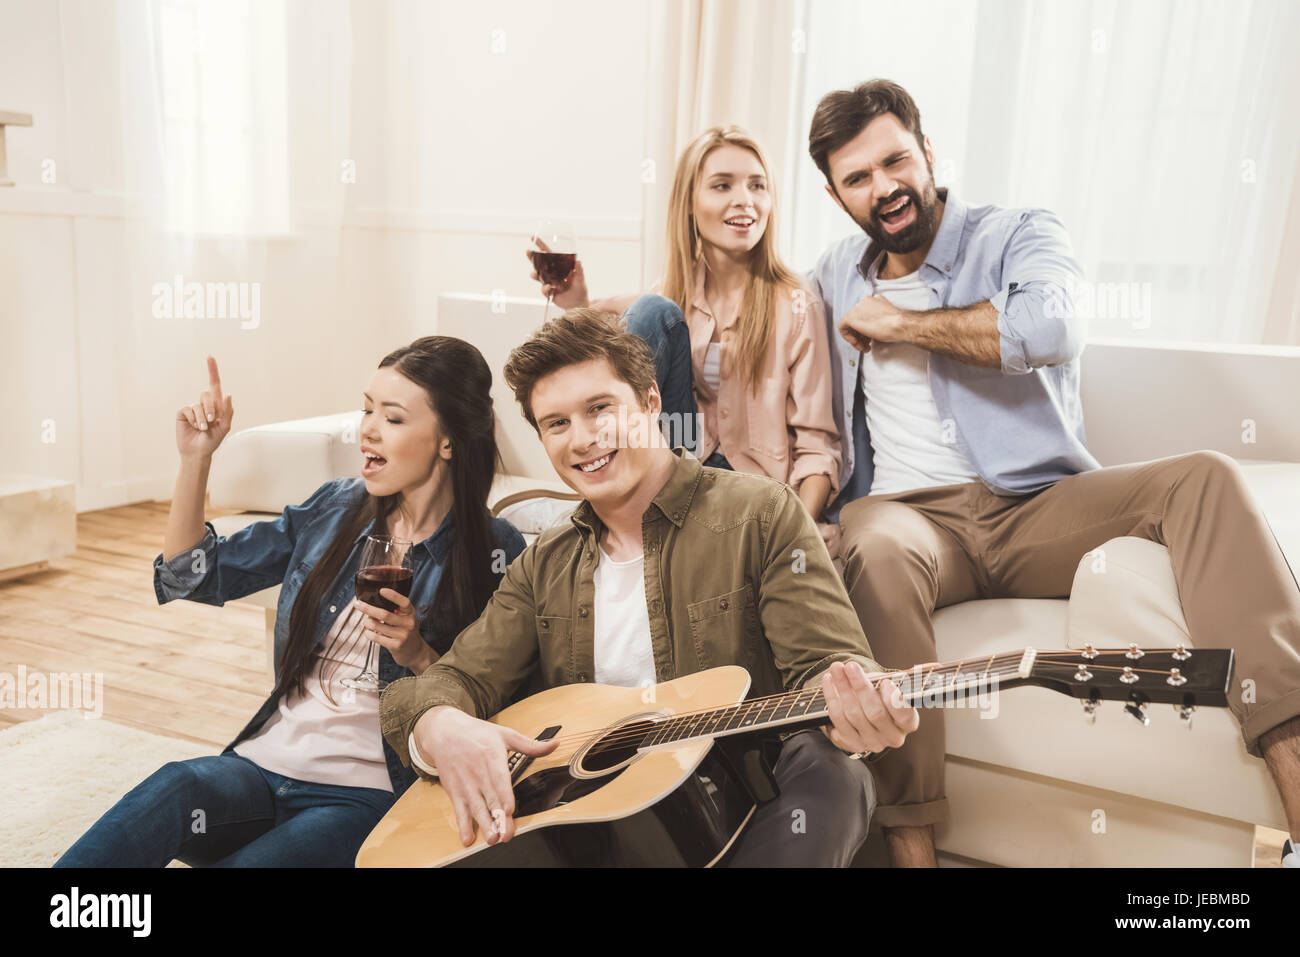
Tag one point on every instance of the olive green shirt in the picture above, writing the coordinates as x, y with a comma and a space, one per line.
736, 573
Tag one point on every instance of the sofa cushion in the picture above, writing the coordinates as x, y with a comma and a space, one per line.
264, 468
1126, 587
1037, 731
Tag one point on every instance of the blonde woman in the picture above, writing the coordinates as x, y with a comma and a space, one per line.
740, 348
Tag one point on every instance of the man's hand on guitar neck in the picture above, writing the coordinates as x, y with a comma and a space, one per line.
864, 718
470, 756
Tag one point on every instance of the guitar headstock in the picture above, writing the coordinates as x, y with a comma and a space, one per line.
1186, 678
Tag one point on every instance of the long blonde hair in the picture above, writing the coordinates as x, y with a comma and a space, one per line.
768, 274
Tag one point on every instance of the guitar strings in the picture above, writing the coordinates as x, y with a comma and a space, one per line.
874, 678
619, 737
1136, 671
935, 668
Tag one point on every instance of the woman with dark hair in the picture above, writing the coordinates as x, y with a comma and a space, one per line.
310, 775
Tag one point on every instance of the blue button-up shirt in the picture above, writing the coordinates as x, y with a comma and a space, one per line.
1021, 426
283, 551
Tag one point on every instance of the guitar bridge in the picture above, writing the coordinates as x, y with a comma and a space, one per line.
518, 762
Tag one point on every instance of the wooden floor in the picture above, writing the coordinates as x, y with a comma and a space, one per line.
183, 669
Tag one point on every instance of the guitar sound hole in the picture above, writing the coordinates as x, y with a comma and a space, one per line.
616, 747
553, 787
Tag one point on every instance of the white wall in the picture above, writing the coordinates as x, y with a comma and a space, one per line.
458, 149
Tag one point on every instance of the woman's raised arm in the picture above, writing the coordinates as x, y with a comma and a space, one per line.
199, 430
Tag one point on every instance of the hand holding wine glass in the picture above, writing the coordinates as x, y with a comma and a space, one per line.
553, 252
567, 294
397, 630
385, 564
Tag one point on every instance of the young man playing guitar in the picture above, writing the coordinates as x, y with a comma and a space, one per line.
667, 568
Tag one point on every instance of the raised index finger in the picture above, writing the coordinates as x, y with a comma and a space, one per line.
214, 379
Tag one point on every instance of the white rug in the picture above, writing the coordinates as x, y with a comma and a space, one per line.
59, 773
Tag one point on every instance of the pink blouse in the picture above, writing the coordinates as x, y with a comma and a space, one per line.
786, 429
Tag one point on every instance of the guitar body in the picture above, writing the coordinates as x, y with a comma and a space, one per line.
589, 802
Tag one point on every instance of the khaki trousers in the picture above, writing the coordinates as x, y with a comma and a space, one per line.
908, 553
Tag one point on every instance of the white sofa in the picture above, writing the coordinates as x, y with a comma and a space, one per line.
1037, 785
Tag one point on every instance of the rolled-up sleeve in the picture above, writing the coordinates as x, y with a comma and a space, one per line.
811, 410
219, 569
1037, 322
184, 573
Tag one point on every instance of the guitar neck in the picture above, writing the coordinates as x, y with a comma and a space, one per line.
941, 684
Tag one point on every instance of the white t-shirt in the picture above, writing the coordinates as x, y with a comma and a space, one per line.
912, 448
311, 739
624, 654
622, 624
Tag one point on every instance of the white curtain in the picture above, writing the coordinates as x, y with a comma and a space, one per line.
227, 107
1162, 132
714, 63
214, 133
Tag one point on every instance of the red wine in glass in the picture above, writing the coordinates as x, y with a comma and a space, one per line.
555, 254
554, 268
385, 563
370, 580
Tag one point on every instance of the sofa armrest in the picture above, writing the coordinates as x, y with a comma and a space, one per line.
267, 467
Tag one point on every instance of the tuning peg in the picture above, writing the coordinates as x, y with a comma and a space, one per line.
1090, 705
1137, 707
1185, 714
1176, 678
1181, 654
1134, 651
1089, 651
1138, 711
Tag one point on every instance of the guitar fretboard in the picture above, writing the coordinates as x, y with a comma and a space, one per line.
809, 704
762, 712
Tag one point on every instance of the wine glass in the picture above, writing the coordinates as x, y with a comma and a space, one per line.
385, 563
554, 254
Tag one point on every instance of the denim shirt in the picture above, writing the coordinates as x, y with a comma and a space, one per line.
1021, 426
282, 551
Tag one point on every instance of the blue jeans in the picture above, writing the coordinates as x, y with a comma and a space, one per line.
661, 324
226, 811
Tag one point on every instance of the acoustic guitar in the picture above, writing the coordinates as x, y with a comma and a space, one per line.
669, 775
